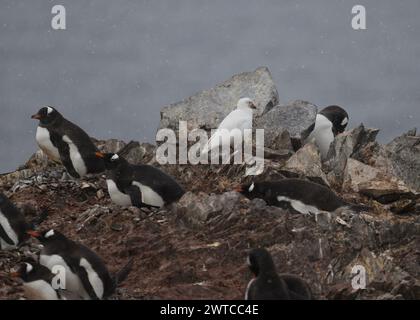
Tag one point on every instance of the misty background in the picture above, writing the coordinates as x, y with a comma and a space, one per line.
118, 63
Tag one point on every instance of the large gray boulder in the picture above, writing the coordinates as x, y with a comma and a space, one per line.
208, 108
401, 157
295, 118
349, 144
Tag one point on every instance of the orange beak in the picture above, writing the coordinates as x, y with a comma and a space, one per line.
36, 116
33, 233
14, 274
238, 189
99, 155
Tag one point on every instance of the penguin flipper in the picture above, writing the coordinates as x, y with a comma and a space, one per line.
5, 237
64, 151
82, 273
135, 195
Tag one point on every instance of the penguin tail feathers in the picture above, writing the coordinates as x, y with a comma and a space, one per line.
358, 208
40, 218
121, 275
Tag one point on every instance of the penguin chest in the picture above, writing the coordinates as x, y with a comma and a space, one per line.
94, 279
76, 157
149, 196
299, 206
39, 290
322, 134
72, 281
13, 240
117, 196
43, 139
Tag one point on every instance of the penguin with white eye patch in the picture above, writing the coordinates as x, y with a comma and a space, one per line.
268, 285
329, 122
138, 185
13, 225
298, 195
65, 142
37, 281
85, 272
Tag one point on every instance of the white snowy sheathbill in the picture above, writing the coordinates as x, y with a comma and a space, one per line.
239, 119
329, 122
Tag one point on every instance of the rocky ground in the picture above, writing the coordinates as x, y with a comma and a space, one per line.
197, 248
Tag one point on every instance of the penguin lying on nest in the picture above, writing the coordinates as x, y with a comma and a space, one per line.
138, 185
86, 274
268, 285
63, 141
298, 195
37, 282
13, 224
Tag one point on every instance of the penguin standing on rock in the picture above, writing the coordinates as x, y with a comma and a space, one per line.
300, 195
65, 142
13, 225
268, 285
138, 185
329, 122
85, 272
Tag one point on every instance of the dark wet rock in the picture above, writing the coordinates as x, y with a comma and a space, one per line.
208, 108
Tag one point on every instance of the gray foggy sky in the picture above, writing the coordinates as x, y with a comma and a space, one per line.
118, 63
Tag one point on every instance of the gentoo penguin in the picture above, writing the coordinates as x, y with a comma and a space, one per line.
238, 120
268, 285
138, 185
300, 195
329, 122
37, 281
65, 142
86, 273
13, 225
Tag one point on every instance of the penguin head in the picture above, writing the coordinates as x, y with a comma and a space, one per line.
112, 160
47, 115
47, 236
261, 262
251, 190
338, 116
246, 103
30, 270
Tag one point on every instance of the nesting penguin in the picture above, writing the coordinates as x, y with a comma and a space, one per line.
86, 273
13, 225
268, 285
37, 281
329, 122
65, 142
138, 185
299, 195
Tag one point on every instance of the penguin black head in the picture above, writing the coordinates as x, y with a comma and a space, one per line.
30, 270
48, 236
47, 115
260, 262
112, 160
251, 191
338, 116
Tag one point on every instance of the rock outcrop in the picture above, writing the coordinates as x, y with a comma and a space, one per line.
197, 248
